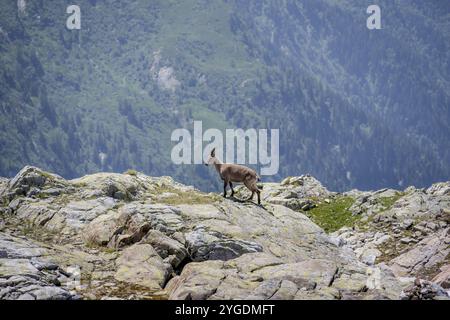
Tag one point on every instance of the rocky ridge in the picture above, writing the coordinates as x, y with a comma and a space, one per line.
130, 236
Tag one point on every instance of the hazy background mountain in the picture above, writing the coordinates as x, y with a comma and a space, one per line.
355, 108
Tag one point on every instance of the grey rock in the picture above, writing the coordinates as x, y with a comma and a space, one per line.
370, 255
428, 253
443, 277
295, 192
31, 180
216, 249
141, 265
382, 239
211, 245
337, 241
407, 223
102, 229
167, 247
424, 290
407, 240
22, 273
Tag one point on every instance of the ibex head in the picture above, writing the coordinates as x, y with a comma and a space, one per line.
212, 158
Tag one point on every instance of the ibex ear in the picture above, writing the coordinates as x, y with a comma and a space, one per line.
213, 152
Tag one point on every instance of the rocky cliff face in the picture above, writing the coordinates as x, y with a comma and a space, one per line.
131, 236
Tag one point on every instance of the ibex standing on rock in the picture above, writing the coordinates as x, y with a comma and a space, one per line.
235, 173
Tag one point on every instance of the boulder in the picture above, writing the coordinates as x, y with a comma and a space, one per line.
428, 253
101, 230
307, 274
25, 274
295, 192
166, 247
369, 256
141, 265
424, 290
114, 185
211, 245
30, 181
261, 276
443, 277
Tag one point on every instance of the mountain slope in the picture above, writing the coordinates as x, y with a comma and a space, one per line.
356, 108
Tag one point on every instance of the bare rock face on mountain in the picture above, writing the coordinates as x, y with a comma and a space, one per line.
27, 274
295, 192
409, 230
131, 236
427, 254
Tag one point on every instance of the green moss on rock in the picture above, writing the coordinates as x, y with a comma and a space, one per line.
388, 202
333, 215
176, 196
131, 172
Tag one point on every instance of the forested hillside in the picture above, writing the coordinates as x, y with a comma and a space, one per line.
355, 107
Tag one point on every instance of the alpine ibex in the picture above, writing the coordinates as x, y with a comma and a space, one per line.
235, 173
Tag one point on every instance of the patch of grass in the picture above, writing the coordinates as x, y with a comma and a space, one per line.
131, 172
120, 289
187, 198
184, 197
42, 196
4, 201
296, 183
388, 251
393, 248
28, 228
80, 184
48, 176
89, 242
33, 231
334, 215
64, 199
108, 249
388, 202
290, 182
